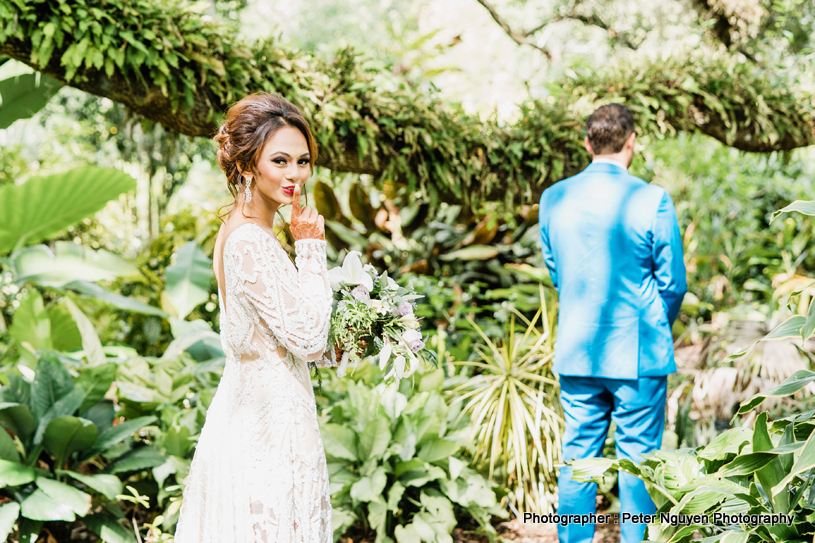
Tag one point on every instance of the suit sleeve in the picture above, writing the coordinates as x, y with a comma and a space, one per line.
668, 258
548, 255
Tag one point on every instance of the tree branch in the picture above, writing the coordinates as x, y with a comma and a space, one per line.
595, 20
521, 38
398, 134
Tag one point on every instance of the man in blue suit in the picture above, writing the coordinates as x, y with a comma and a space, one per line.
614, 252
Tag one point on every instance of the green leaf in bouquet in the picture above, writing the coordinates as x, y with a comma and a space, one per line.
8, 517
78, 501
108, 485
370, 488
15, 474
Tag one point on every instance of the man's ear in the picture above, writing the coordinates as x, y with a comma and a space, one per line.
588, 146
629, 143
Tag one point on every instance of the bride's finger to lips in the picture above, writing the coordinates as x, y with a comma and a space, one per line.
295, 202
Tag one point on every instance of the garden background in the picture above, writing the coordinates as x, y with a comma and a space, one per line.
439, 124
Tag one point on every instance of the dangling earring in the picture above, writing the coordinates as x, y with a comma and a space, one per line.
247, 194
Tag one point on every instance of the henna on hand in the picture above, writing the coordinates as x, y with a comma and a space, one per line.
306, 223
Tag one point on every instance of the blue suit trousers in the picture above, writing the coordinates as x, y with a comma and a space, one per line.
637, 407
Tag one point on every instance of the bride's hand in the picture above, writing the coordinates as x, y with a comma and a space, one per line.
306, 223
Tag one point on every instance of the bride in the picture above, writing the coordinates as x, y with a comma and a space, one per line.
259, 473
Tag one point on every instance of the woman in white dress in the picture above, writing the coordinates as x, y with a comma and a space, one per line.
259, 472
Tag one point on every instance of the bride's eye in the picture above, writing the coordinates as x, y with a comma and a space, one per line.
303, 161
280, 161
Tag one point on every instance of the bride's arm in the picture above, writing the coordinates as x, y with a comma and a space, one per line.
298, 314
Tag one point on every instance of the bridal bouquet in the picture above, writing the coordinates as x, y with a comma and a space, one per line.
373, 315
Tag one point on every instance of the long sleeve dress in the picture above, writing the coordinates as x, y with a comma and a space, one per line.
259, 472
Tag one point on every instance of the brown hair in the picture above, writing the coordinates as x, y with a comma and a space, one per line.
249, 125
608, 128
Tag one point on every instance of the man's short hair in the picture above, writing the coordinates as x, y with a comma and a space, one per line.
608, 128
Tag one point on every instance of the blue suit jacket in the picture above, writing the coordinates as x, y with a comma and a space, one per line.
613, 248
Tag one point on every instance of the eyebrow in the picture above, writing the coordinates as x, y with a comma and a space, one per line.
287, 155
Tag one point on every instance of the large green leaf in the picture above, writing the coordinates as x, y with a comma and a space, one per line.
791, 385
801, 206
107, 528
8, 449
339, 442
188, 279
473, 252
31, 323
438, 449
43, 206
772, 473
375, 438
116, 300
90, 340
137, 459
15, 474
65, 334
68, 262
370, 488
109, 485
18, 419
116, 434
41, 506
78, 501
95, 382
51, 382
804, 462
66, 435
24, 95
29, 530
8, 516
67, 405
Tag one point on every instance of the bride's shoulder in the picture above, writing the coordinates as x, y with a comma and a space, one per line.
239, 231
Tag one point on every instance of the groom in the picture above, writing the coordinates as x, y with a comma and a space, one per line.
614, 252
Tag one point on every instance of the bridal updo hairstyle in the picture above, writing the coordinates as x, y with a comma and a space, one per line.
249, 125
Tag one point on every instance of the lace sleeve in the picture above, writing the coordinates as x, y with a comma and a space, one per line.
297, 309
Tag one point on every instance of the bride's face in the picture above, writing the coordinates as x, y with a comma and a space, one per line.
283, 163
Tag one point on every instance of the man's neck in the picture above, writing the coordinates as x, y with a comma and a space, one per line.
609, 159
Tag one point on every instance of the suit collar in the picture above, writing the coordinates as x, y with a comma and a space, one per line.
606, 167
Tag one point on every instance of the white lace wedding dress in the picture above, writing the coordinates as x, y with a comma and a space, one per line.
259, 473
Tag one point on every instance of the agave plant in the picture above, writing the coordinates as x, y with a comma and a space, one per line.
513, 403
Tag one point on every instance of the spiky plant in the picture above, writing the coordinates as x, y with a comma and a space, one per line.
513, 403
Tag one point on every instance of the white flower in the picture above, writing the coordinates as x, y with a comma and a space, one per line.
341, 370
410, 321
385, 355
413, 339
351, 273
399, 366
392, 285
380, 306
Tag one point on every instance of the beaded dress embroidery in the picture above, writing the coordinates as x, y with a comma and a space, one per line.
259, 472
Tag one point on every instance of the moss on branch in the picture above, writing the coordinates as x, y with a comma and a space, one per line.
166, 62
